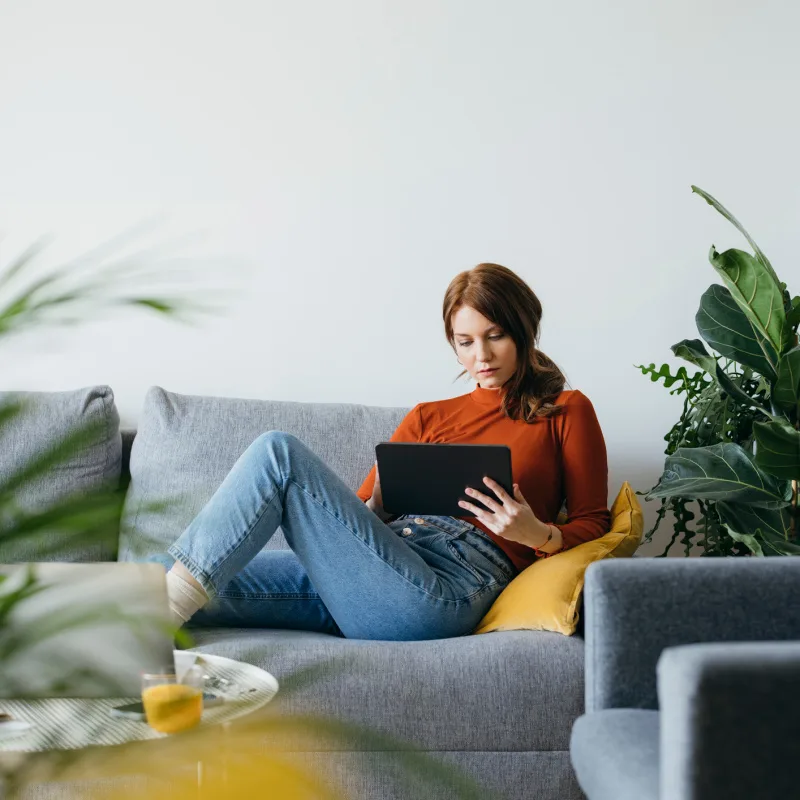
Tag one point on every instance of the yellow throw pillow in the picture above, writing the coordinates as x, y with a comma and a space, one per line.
545, 595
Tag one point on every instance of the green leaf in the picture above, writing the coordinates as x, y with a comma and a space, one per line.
719, 472
24, 259
9, 409
793, 317
694, 351
774, 523
786, 392
727, 214
726, 328
779, 545
747, 539
10, 600
164, 306
22, 309
33, 303
75, 521
736, 393
778, 450
754, 290
72, 443
681, 375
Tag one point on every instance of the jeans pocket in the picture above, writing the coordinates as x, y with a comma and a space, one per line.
462, 552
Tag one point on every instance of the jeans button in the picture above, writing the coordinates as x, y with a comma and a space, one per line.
419, 520
407, 531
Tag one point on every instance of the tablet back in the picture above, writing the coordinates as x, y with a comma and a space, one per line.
424, 478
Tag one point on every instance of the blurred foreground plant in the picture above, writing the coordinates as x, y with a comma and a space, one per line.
234, 759
268, 754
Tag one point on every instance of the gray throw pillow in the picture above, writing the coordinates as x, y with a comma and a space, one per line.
46, 418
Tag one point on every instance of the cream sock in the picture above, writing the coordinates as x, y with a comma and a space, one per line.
184, 599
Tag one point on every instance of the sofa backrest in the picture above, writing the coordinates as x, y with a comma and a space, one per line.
185, 445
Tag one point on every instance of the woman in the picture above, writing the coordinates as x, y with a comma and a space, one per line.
354, 572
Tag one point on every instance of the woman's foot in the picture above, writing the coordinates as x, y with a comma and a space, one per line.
185, 594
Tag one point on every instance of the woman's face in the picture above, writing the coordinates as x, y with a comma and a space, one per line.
480, 344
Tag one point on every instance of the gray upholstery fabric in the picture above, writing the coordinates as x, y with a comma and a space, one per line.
48, 417
615, 755
185, 445
730, 720
635, 608
502, 691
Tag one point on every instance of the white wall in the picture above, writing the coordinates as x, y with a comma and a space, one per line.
334, 165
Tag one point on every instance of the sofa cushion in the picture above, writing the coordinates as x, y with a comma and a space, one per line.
545, 596
185, 445
512, 691
47, 417
615, 754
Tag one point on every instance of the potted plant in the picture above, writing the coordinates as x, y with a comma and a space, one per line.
736, 447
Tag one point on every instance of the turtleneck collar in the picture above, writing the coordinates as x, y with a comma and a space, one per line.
487, 397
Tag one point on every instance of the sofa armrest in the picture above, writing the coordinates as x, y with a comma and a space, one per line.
637, 607
730, 720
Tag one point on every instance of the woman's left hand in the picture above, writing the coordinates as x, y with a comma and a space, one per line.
513, 520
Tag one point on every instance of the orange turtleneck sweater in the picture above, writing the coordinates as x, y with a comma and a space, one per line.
553, 460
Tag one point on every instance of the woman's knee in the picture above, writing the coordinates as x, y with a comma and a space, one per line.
272, 438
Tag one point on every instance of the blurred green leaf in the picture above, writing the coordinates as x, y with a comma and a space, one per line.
72, 443
24, 259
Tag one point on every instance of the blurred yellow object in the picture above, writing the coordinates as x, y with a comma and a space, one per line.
268, 755
172, 707
207, 763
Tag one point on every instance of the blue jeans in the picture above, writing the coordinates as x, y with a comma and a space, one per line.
347, 573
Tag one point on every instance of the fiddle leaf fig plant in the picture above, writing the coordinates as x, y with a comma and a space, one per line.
736, 448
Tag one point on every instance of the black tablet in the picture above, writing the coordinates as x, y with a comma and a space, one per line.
421, 478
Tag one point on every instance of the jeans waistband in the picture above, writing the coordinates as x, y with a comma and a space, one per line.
479, 539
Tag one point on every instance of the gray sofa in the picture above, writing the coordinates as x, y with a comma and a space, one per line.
499, 706
692, 680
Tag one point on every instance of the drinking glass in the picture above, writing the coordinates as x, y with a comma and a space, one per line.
171, 706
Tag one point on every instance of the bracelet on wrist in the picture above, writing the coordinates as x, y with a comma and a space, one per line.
549, 538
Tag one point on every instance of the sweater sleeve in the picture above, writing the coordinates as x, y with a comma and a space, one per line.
584, 464
409, 430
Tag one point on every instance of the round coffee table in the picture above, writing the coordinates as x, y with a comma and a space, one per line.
73, 723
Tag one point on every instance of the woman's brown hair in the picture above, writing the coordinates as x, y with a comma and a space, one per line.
505, 299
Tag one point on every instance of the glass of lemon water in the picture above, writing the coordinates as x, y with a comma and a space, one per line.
170, 705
